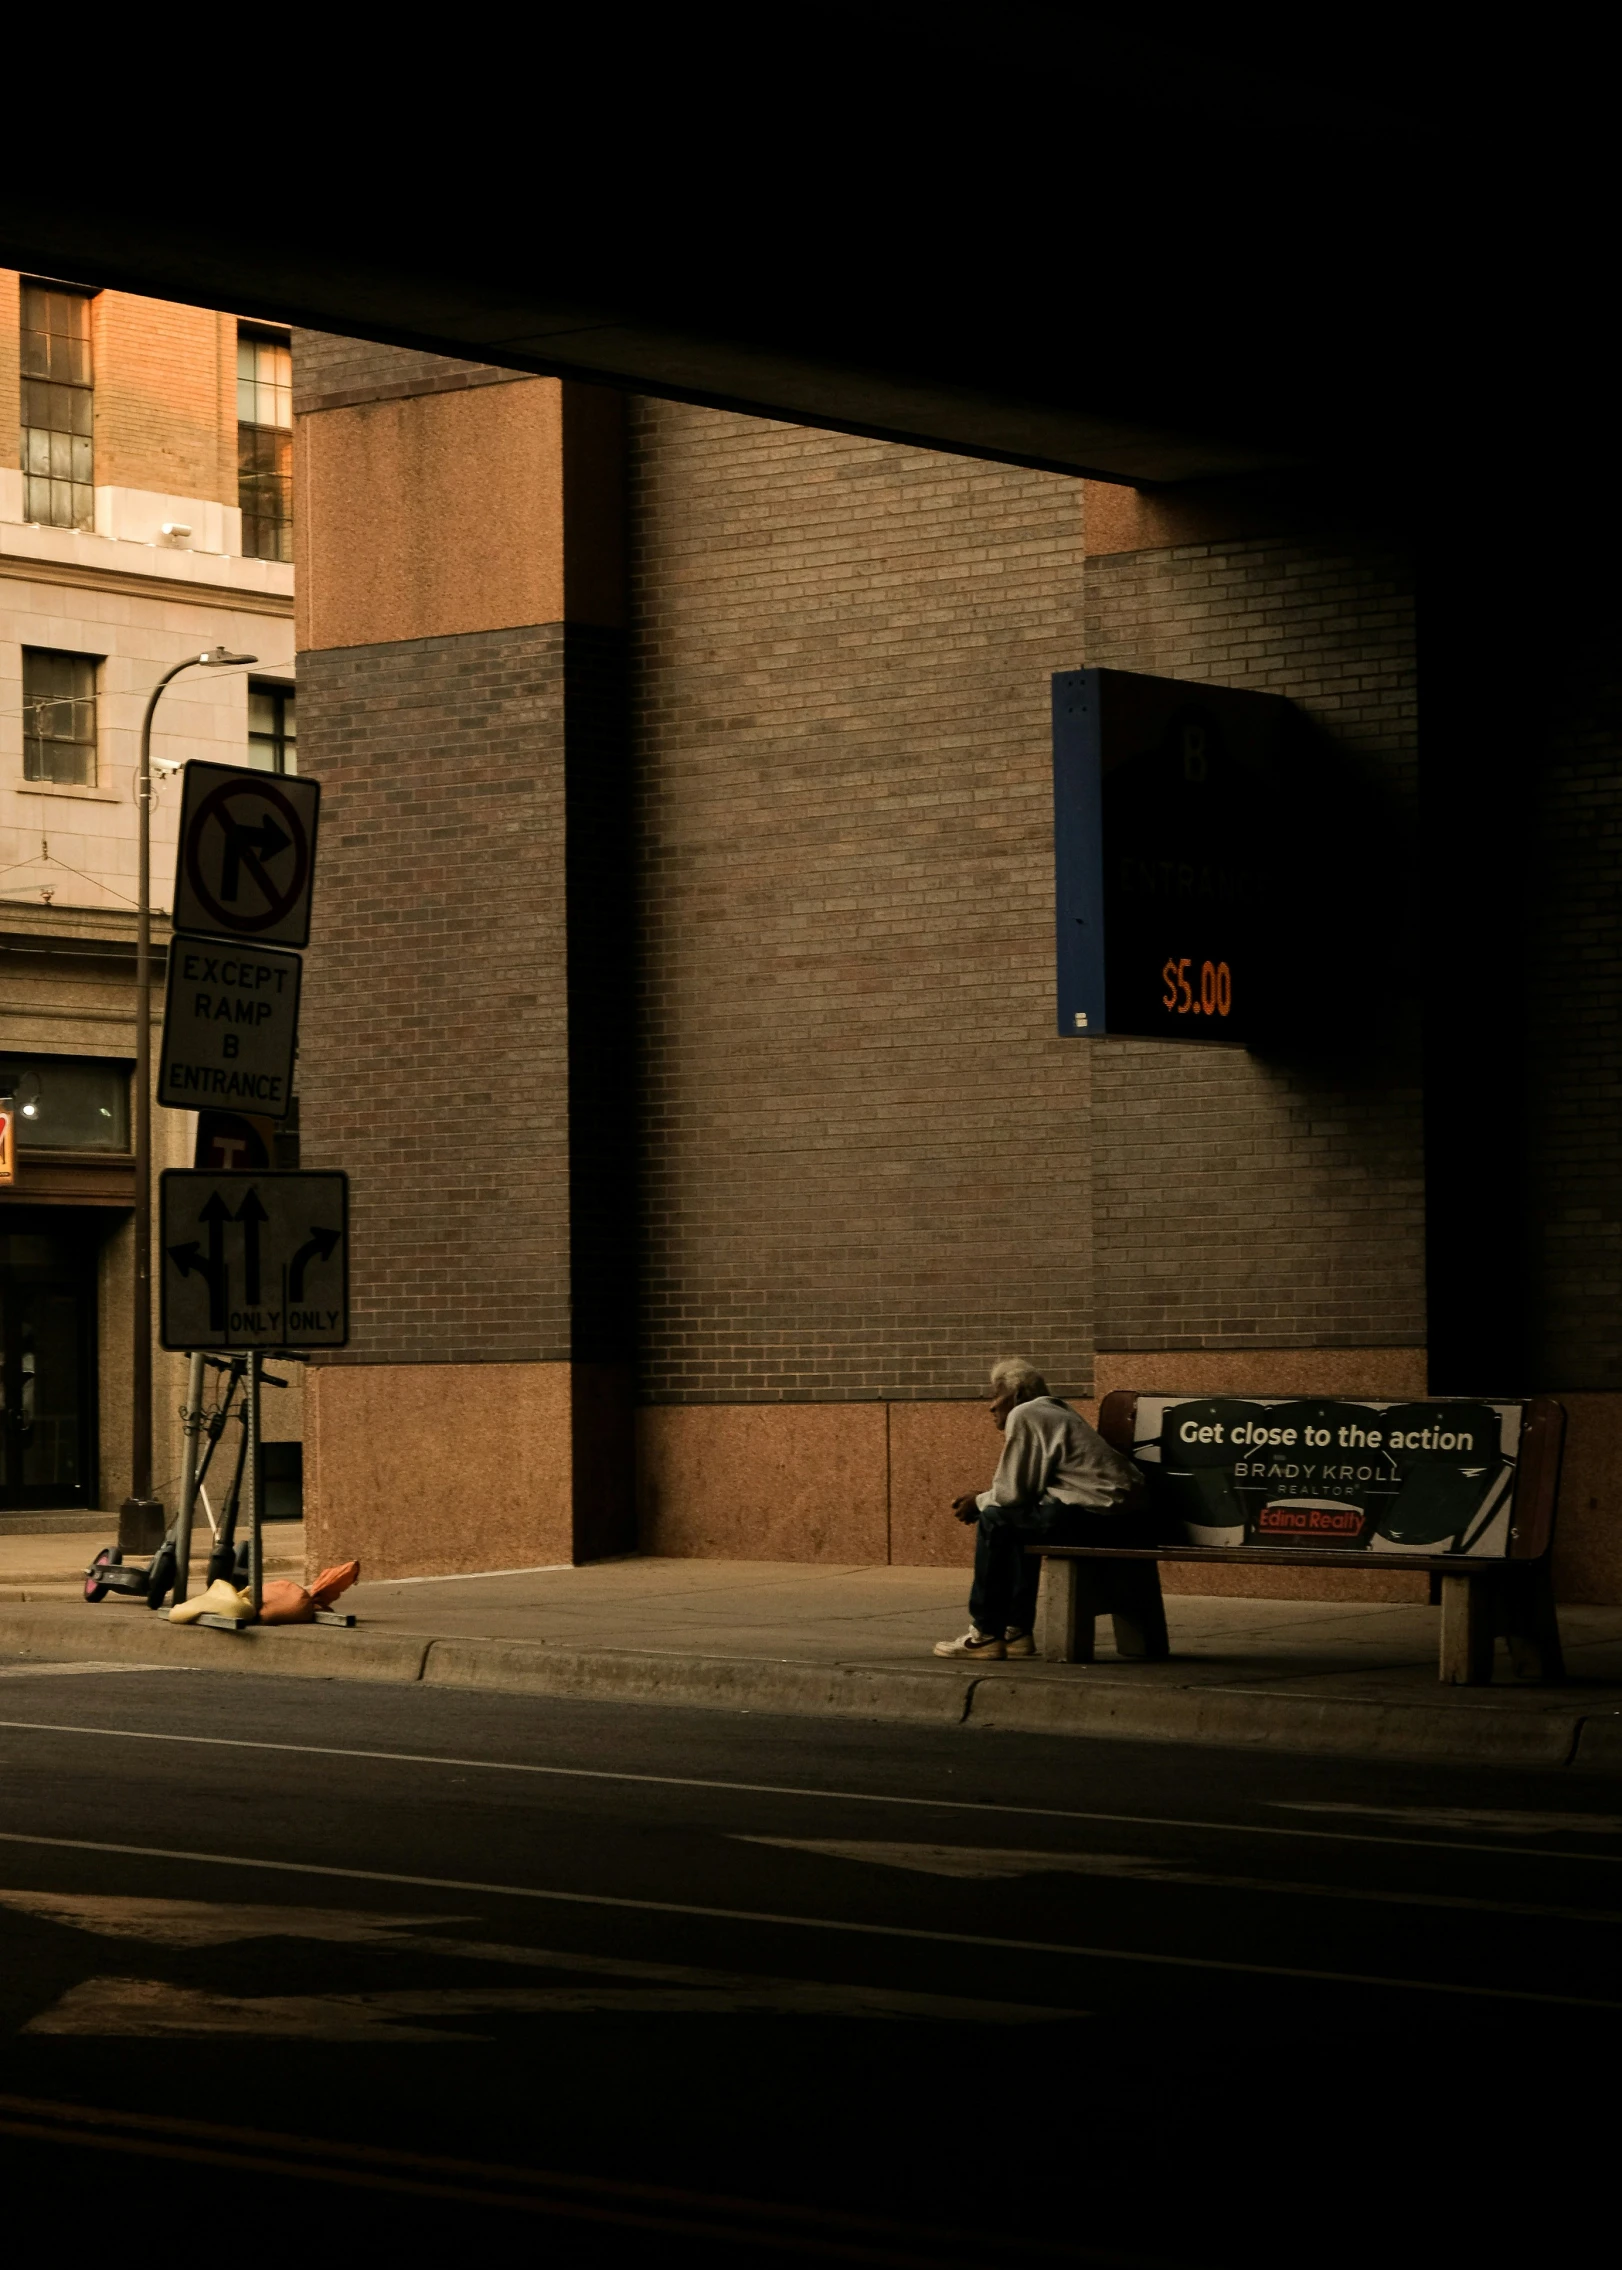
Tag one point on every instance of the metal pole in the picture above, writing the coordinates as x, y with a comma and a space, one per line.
256, 1487
140, 1518
192, 1424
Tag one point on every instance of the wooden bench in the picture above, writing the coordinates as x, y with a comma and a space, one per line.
1482, 1595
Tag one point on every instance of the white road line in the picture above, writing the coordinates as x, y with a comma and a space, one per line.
1465, 1817
829, 1796
74, 1670
811, 1922
991, 1863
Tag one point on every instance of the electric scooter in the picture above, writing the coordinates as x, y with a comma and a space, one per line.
154, 1582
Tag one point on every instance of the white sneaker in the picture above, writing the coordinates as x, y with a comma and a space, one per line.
1019, 1643
985, 1647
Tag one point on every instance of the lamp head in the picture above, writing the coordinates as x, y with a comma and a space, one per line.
218, 657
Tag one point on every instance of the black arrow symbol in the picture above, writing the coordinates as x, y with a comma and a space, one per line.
190, 1256
264, 841
320, 1244
250, 1214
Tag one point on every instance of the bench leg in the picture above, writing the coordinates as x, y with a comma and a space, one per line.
1530, 1622
1466, 1658
1138, 1611
1064, 1619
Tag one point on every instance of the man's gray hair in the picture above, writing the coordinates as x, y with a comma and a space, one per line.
1013, 1375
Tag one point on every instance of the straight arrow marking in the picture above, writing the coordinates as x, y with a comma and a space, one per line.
250, 1214
216, 1213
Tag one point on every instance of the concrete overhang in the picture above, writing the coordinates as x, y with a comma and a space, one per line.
1021, 236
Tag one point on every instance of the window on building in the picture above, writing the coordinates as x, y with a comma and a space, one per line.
272, 728
57, 443
59, 717
265, 445
69, 1103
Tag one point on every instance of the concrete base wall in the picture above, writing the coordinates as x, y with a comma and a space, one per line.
444, 1469
871, 1482
874, 1482
1588, 1538
439, 1469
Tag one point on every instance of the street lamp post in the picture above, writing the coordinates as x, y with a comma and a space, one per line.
140, 1518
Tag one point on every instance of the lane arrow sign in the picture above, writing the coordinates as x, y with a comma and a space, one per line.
320, 1245
253, 1258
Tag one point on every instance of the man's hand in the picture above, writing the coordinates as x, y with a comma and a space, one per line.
967, 1508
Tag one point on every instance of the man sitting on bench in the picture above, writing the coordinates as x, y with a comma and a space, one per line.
1057, 1478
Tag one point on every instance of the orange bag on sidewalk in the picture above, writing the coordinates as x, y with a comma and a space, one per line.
285, 1602
327, 1586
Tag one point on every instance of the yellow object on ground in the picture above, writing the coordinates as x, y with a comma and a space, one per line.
221, 1599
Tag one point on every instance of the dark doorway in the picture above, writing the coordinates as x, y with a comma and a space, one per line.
47, 1365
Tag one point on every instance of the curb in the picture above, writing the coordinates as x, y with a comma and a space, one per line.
701, 1682
1085, 1705
1237, 1718
116, 1633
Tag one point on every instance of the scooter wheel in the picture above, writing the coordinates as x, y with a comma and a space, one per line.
160, 1575
94, 1589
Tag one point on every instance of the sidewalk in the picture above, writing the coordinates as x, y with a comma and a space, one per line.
52, 1566
841, 1641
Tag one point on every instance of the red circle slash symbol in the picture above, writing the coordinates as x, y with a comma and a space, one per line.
250, 850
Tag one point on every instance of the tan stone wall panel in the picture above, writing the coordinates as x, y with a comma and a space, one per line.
438, 1469
763, 1482
937, 1451
430, 516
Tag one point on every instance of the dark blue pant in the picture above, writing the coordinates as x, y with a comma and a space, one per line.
1003, 1596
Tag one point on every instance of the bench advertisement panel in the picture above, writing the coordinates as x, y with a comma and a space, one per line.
1431, 1478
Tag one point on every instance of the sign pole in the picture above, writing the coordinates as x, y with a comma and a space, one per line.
192, 1422
256, 1486
140, 1517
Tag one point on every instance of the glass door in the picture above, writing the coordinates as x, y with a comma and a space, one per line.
47, 1374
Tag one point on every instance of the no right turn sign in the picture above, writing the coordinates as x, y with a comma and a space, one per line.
246, 860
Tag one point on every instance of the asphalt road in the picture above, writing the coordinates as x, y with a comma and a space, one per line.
401, 1965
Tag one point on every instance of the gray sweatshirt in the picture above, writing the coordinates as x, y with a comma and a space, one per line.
1050, 1451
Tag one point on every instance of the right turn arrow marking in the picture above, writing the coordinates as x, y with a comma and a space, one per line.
320, 1245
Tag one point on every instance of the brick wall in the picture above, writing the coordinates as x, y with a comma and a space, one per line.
434, 1059
865, 1152
1279, 1200
165, 397
10, 367
1570, 808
